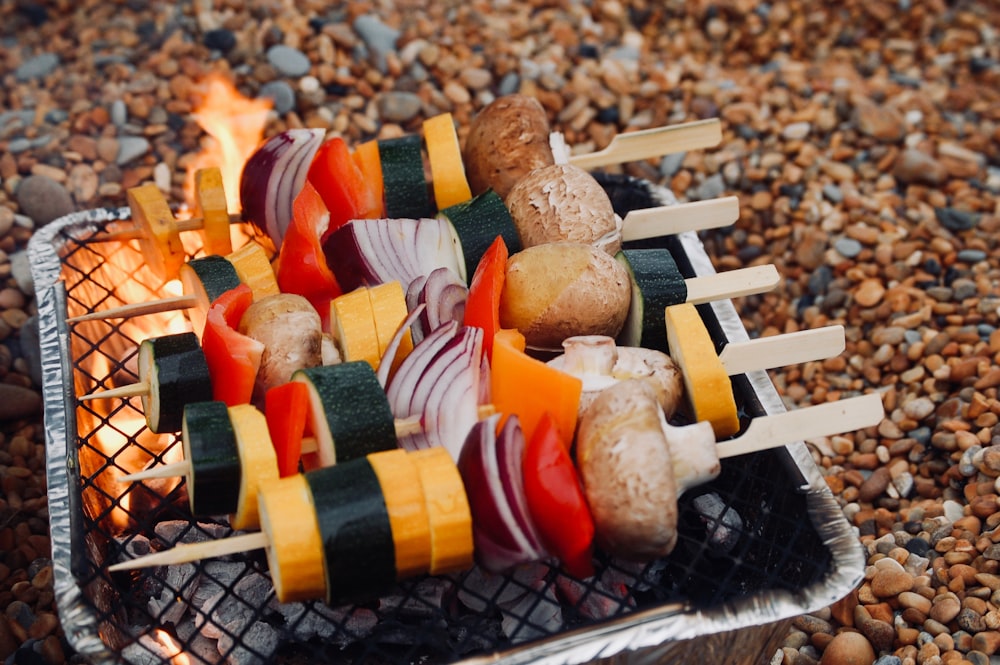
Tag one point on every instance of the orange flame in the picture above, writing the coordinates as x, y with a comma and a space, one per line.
173, 649
235, 127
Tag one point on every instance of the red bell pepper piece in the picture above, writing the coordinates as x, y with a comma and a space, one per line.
233, 358
302, 267
556, 500
336, 176
482, 306
287, 407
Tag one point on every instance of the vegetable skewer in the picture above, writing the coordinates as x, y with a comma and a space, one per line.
765, 432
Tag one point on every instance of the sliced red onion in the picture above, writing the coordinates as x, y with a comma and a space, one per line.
446, 394
408, 374
273, 177
510, 456
385, 364
364, 252
445, 294
500, 538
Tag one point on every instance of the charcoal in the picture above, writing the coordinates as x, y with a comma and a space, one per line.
173, 532
532, 615
218, 576
147, 650
340, 625
203, 615
723, 525
196, 644
481, 589
592, 600
180, 582
234, 611
423, 600
253, 646
622, 576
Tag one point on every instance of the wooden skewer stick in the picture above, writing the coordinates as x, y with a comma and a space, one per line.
190, 224
655, 142
732, 284
673, 219
404, 427
188, 552
137, 389
783, 350
763, 432
139, 309
811, 422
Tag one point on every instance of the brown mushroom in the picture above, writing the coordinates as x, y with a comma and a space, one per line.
627, 471
561, 203
292, 335
507, 140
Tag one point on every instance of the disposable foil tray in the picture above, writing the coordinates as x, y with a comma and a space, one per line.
763, 543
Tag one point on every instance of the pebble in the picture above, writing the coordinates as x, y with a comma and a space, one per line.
43, 199
281, 94
17, 402
288, 61
220, 39
20, 270
378, 37
37, 67
399, 107
848, 247
131, 148
916, 166
848, 648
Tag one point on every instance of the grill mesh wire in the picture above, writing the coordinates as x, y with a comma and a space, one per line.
776, 545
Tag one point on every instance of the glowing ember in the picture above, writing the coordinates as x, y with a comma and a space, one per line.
235, 127
172, 648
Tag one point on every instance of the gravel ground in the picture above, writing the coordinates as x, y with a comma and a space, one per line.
862, 137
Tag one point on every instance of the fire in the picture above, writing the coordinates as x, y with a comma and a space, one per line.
172, 648
235, 127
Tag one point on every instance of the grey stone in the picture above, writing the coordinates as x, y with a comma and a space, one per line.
971, 255
288, 61
131, 148
509, 84
671, 164
281, 94
43, 199
119, 113
954, 219
37, 67
18, 145
398, 107
712, 188
848, 247
833, 193
20, 270
378, 37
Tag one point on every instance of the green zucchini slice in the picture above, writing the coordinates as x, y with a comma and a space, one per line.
175, 369
349, 412
656, 284
477, 222
359, 559
405, 184
210, 448
206, 279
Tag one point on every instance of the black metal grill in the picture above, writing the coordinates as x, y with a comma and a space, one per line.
720, 559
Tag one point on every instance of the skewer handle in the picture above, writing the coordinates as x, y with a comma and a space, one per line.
780, 429
132, 390
174, 470
139, 309
124, 235
188, 552
783, 350
669, 220
655, 142
732, 284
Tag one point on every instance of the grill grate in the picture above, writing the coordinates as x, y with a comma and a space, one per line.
749, 532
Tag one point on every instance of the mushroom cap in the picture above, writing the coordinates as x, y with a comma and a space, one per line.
563, 203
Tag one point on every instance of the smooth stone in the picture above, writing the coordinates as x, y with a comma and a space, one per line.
916, 166
848, 247
971, 255
20, 270
833, 193
281, 94
954, 219
37, 67
712, 188
848, 648
288, 61
219, 39
889, 582
671, 164
378, 37
399, 107
131, 148
796, 131
119, 113
17, 402
43, 199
